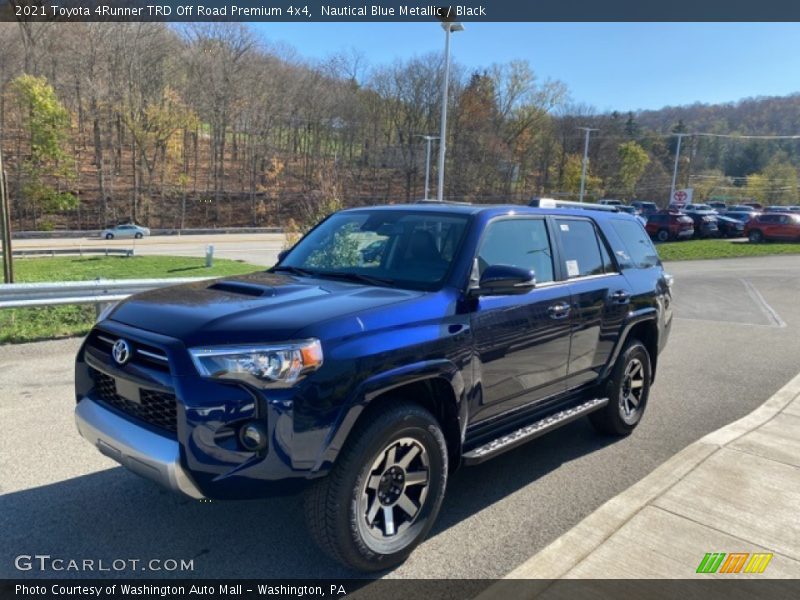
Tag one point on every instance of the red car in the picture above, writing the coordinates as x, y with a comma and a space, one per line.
773, 226
669, 225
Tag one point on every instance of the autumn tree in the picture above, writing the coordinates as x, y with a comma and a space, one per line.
47, 165
633, 160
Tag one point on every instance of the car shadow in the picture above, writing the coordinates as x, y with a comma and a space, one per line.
114, 515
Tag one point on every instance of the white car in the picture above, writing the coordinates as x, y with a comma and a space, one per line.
125, 231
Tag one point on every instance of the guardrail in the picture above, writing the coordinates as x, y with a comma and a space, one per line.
72, 252
98, 292
94, 233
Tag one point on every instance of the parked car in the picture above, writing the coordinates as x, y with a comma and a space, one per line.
705, 223
742, 208
645, 208
744, 215
730, 227
666, 225
720, 207
125, 231
756, 205
773, 226
481, 328
611, 202
699, 208
778, 209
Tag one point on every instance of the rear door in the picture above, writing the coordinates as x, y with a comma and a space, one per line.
521, 341
600, 296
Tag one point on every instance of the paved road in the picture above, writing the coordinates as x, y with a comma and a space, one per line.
256, 248
735, 342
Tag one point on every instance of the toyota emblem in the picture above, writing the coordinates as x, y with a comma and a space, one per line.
121, 351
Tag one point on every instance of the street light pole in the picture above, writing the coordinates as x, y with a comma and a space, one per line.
449, 28
5, 225
675, 169
588, 131
428, 139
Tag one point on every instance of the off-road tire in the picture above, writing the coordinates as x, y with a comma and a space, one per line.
613, 418
332, 502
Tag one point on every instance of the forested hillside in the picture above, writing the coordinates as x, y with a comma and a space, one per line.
210, 125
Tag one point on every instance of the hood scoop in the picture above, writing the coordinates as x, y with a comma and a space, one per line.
243, 289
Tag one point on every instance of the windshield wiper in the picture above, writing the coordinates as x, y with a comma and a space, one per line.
293, 270
357, 277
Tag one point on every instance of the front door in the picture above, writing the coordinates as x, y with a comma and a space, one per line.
521, 341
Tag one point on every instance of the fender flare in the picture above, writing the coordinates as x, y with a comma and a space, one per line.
634, 318
384, 382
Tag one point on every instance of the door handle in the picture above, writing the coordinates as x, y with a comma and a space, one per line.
559, 310
620, 296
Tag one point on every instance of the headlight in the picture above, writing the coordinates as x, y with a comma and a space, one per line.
106, 311
280, 364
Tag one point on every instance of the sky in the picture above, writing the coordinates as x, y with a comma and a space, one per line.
611, 66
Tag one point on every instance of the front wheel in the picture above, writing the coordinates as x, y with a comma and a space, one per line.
628, 391
663, 236
109, 236
138, 236
384, 492
755, 236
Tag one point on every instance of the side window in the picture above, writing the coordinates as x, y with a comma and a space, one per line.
608, 263
640, 249
518, 243
580, 247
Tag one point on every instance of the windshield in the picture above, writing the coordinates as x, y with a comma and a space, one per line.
403, 248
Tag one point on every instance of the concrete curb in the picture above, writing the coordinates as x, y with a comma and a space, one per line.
564, 553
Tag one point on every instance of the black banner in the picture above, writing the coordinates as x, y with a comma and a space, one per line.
399, 10
742, 587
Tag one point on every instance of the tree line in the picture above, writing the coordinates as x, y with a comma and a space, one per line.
209, 124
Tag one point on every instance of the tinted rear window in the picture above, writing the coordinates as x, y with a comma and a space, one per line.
581, 248
640, 250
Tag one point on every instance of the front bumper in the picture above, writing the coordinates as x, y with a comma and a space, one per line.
140, 450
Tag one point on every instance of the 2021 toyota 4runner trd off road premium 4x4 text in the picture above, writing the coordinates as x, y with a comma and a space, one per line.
386, 348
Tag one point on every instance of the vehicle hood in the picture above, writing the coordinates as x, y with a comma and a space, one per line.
260, 307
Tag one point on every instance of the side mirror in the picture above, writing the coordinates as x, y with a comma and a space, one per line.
282, 254
504, 279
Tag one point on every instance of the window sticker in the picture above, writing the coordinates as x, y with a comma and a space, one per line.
572, 268
564, 227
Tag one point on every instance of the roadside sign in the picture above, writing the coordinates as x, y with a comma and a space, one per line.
683, 196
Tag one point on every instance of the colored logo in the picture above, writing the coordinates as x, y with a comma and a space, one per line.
735, 562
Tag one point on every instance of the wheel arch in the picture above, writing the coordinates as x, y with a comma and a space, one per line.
644, 327
438, 386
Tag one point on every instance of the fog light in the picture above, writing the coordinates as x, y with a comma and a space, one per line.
253, 436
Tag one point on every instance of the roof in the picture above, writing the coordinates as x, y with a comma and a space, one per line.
490, 209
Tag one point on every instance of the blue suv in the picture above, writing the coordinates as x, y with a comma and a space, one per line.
388, 347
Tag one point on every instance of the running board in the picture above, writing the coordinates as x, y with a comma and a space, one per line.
529, 432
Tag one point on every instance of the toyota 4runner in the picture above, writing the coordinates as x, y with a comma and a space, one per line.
388, 347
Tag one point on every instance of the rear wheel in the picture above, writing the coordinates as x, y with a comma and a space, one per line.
628, 391
663, 236
384, 492
755, 236
138, 236
109, 236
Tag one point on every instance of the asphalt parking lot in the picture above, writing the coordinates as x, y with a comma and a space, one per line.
734, 343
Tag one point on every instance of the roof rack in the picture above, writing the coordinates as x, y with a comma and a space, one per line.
434, 201
553, 203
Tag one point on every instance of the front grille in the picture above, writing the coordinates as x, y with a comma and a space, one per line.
143, 354
155, 408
